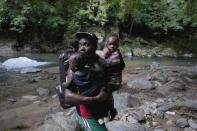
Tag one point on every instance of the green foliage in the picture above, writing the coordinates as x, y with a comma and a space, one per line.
73, 25
18, 23
92, 12
54, 17
165, 15
158, 15
55, 22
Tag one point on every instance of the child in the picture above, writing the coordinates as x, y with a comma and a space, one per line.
63, 68
88, 83
114, 63
84, 78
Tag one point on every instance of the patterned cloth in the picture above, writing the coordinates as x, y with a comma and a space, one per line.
87, 83
114, 70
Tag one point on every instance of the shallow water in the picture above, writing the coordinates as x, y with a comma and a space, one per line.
135, 61
167, 61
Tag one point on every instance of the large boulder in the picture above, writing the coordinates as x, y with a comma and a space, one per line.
60, 121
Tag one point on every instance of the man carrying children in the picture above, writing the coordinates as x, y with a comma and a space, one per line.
94, 104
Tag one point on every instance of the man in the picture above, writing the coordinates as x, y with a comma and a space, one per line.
88, 117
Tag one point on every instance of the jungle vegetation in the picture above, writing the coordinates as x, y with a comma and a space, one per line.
50, 20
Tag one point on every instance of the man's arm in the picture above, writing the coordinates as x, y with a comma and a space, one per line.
76, 99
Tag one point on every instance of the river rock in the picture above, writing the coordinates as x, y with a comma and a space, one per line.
155, 65
51, 126
32, 80
132, 115
173, 129
188, 129
125, 100
129, 54
138, 115
124, 126
140, 84
140, 52
191, 104
159, 129
30, 98
6, 50
168, 52
61, 121
170, 123
193, 124
172, 86
43, 92
22, 62
150, 108
129, 118
159, 76
188, 55
176, 85
12, 100
155, 124
182, 122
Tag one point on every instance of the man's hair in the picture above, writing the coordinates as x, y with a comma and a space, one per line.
90, 36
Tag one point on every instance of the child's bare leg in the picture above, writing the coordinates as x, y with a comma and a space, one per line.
112, 110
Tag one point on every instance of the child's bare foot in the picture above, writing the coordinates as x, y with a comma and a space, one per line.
113, 113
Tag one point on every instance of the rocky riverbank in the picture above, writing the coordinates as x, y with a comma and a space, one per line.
130, 46
155, 98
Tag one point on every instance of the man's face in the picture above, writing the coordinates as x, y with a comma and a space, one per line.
86, 47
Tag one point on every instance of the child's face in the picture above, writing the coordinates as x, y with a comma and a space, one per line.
77, 62
72, 65
112, 44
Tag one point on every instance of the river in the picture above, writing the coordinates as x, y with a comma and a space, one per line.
52, 59
14, 84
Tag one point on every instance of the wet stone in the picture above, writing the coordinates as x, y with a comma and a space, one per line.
182, 122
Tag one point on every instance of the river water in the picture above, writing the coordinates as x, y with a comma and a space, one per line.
15, 84
52, 60
167, 61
